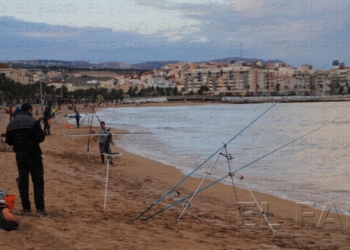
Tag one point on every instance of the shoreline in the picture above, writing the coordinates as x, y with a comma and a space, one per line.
74, 195
226, 182
318, 205
249, 99
282, 197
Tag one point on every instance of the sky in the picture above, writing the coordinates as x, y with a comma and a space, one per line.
314, 32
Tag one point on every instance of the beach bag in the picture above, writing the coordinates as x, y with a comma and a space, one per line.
7, 220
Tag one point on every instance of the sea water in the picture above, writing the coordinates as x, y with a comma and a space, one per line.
313, 169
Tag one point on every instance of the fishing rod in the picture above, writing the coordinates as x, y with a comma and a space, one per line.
135, 133
63, 112
205, 161
93, 112
92, 117
88, 115
258, 159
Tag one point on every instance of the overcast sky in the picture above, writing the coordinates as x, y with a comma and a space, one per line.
314, 32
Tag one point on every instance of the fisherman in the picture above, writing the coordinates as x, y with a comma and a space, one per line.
17, 110
10, 112
24, 134
77, 117
103, 131
53, 112
47, 116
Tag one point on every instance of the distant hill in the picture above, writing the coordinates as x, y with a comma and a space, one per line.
71, 64
153, 64
115, 65
121, 65
246, 60
40, 63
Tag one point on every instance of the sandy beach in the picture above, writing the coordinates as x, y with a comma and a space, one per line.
74, 193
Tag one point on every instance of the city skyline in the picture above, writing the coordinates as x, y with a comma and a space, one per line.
313, 32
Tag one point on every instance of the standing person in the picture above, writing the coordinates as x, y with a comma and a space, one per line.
101, 140
25, 134
37, 111
77, 117
17, 110
10, 112
53, 112
47, 116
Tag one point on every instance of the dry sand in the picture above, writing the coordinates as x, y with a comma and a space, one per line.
74, 192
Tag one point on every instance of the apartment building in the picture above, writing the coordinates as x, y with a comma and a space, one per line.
269, 80
240, 80
236, 79
339, 81
320, 82
16, 74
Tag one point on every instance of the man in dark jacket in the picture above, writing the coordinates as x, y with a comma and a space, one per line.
24, 133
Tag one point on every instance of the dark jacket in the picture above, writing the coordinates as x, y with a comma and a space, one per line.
24, 133
47, 114
17, 111
77, 116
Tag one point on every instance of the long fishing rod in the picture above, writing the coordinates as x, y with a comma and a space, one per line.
88, 115
211, 156
92, 117
63, 112
93, 112
121, 133
258, 159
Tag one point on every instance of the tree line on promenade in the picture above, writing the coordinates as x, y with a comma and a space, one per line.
152, 91
13, 92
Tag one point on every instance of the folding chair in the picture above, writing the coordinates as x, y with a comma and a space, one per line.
4, 145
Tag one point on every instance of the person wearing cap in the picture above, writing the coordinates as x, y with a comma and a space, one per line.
24, 133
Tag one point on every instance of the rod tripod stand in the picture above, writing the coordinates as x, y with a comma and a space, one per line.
224, 152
